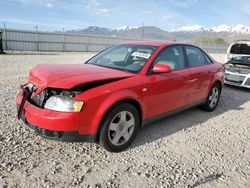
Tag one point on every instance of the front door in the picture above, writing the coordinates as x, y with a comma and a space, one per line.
168, 91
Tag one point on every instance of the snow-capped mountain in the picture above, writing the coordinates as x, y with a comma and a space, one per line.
126, 28
240, 29
222, 28
191, 28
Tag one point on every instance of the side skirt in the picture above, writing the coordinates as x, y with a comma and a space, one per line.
167, 114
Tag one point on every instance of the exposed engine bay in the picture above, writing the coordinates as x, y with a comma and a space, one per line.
238, 68
40, 99
238, 71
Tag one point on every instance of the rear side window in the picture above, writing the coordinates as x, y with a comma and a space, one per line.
195, 56
208, 60
172, 56
240, 48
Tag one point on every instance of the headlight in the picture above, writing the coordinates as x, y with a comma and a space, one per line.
63, 104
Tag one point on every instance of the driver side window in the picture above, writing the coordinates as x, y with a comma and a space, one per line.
172, 56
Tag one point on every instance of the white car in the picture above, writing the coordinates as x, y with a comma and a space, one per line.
238, 64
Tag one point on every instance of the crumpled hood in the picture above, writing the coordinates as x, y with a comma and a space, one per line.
67, 76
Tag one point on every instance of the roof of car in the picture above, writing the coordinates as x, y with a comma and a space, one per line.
152, 43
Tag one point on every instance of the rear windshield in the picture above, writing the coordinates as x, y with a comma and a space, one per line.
240, 49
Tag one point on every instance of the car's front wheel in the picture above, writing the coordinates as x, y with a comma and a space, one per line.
119, 127
213, 98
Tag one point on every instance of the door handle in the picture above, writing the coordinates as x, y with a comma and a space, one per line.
192, 80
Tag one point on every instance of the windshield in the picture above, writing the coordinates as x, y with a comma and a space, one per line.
130, 58
240, 48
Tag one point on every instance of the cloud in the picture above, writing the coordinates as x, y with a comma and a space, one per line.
69, 24
19, 21
246, 8
94, 3
183, 3
101, 11
167, 18
49, 5
95, 7
147, 11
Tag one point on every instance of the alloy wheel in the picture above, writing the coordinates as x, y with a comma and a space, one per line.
214, 97
121, 128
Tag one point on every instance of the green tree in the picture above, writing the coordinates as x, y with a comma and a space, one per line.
208, 40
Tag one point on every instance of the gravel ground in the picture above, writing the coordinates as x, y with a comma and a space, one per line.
190, 149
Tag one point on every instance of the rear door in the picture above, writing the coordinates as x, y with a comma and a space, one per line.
168, 91
200, 74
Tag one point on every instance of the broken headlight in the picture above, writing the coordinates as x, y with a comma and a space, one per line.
63, 104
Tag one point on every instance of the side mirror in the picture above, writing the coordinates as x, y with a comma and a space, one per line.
161, 68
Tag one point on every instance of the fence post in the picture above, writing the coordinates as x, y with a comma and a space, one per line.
63, 41
5, 36
37, 41
106, 45
1, 42
87, 42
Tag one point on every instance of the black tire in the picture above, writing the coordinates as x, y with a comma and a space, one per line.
106, 134
208, 106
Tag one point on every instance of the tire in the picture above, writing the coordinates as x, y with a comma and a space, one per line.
119, 127
212, 98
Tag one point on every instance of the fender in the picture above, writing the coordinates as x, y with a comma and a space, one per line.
111, 100
219, 76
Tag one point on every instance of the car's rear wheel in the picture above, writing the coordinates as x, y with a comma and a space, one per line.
213, 98
119, 127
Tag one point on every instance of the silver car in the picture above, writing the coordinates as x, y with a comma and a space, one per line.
238, 64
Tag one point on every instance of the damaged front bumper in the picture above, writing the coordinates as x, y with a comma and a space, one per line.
61, 126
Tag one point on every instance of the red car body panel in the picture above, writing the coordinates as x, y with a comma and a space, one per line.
68, 76
48, 119
154, 93
167, 91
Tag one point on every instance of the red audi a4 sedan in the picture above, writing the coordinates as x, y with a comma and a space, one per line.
108, 98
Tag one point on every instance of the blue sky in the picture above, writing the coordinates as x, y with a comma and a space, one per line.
166, 14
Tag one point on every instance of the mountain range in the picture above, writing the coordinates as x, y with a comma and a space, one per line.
239, 29
186, 33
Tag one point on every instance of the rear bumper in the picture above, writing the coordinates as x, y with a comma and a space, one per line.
236, 79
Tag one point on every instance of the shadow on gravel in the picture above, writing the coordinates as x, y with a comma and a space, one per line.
207, 179
232, 98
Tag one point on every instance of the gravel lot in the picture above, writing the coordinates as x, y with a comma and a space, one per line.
190, 149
